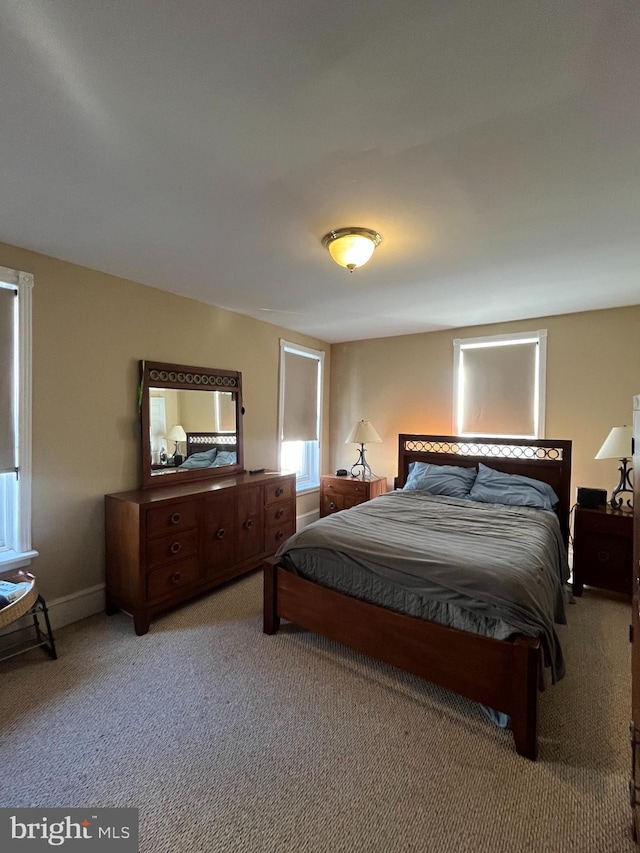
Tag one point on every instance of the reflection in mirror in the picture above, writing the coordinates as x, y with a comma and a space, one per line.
186, 426
191, 428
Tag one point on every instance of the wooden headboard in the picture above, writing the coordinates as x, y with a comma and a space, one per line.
199, 441
541, 458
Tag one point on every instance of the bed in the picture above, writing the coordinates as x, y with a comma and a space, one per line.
501, 669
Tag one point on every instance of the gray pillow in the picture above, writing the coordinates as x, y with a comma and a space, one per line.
450, 480
495, 487
203, 459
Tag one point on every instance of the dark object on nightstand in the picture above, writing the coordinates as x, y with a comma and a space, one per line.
591, 498
342, 492
602, 549
341, 472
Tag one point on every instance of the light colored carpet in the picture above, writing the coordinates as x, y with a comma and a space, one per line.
229, 740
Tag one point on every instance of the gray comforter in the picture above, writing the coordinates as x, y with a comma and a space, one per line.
498, 563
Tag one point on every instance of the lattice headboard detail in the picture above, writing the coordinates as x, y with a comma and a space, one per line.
199, 441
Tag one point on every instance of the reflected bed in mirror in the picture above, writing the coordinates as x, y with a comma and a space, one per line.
191, 423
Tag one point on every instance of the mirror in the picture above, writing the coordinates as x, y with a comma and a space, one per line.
191, 423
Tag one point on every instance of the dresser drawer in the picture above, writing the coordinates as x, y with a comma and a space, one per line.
171, 549
280, 490
280, 513
276, 535
166, 580
171, 517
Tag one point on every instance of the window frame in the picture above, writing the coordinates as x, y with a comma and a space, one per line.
312, 459
15, 491
460, 344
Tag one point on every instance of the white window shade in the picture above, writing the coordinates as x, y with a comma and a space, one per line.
500, 386
300, 410
7, 374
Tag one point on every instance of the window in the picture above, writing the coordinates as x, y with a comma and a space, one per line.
499, 385
299, 426
15, 419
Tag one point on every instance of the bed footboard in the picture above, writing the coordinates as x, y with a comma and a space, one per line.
501, 674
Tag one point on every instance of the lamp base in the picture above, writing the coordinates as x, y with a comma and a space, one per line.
366, 472
625, 485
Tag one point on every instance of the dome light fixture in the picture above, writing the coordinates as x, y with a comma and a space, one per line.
351, 247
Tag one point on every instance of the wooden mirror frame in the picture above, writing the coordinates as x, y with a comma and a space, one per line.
158, 374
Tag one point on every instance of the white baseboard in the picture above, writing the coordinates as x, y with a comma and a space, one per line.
307, 518
72, 608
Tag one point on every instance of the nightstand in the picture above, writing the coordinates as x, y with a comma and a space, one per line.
338, 493
602, 549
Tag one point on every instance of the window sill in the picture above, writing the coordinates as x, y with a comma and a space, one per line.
12, 560
307, 490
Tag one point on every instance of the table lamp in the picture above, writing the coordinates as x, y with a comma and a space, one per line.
177, 434
619, 445
362, 433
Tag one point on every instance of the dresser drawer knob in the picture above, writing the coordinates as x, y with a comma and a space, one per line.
248, 524
176, 518
279, 491
279, 513
603, 556
175, 577
332, 505
279, 535
221, 533
175, 547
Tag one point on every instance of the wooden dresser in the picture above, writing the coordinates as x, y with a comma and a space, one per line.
166, 545
338, 493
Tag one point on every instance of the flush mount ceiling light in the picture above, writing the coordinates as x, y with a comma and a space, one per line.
351, 247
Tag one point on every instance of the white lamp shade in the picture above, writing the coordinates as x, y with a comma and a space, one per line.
176, 433
363, 432
617, 444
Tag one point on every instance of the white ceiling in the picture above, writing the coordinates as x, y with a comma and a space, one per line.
205, 147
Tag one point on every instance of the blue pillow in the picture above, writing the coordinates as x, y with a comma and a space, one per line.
203, 459
447, 480
225, 457
495, 487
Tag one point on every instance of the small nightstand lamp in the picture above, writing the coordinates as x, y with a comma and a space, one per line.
177, 434
362, 433
619, 445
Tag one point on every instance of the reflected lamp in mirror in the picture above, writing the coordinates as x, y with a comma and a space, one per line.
177, 434
363, 432
619, 445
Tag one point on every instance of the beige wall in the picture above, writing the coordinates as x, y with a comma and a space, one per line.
89, 332
405, 384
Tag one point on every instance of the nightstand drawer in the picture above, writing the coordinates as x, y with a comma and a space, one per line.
354, 488
605, 561
331, 502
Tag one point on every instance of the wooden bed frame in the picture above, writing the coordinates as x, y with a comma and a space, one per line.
503, 674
